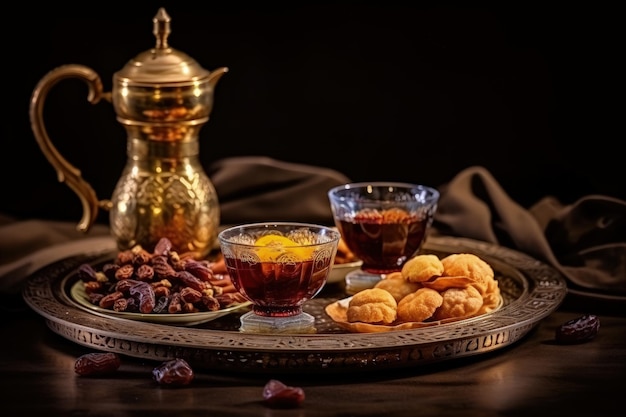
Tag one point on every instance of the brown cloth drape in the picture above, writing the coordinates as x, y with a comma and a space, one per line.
585, 240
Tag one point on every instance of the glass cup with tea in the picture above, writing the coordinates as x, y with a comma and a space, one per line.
278, 267
383, 223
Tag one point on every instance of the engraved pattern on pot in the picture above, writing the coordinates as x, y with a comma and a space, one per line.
180, 207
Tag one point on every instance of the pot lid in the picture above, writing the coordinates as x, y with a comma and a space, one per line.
162, 64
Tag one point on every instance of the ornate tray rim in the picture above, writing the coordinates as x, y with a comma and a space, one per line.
544, 291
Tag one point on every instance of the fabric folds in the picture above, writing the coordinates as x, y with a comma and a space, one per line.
586, 240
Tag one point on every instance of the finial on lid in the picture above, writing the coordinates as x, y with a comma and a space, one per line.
161, 28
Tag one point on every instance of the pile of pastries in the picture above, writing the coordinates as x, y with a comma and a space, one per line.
427, 290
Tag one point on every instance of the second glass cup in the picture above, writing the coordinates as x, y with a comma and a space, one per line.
383, 223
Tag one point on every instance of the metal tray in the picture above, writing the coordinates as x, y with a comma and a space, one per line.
531, 290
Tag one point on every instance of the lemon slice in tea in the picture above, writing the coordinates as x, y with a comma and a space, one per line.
276, 246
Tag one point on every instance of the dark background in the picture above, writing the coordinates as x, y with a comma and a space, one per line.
375, 90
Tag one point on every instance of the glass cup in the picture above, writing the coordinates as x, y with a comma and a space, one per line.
278, 266
383, 223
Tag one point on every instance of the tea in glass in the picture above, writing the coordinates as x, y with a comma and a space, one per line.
383, 223
278, 267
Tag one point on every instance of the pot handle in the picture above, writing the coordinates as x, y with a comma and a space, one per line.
66, 172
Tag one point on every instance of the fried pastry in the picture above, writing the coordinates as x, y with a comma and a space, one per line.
372, 305
459, 302
471, 266
491, 297
422, 268
397, 286
420, 305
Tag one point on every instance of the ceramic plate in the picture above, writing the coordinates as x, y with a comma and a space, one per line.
77, 293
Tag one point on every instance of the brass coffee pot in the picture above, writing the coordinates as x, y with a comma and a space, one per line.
162, 97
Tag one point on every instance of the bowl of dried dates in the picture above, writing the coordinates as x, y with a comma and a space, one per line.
160, 286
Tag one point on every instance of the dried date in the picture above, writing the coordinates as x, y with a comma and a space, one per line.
132, 305
163, 246
95, 298
97, 363
229, 299
109, 270
578, 330
189, 295
125, 257
93, 287
161, 304
278, 395
145, 273
120, 305
162, 269
189, 308
126, 271
210, 303
145, 294
175, 372
141, 257
125, 285
175, 305
108, 300
199, 269
87, 273
161, 291
189, 280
